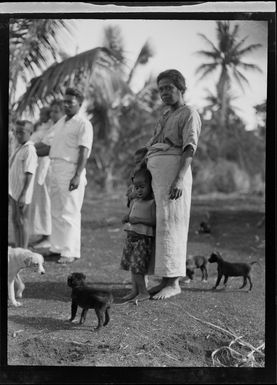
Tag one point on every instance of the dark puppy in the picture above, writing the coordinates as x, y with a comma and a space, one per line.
204, 228
197, 262
88, 298
229, 269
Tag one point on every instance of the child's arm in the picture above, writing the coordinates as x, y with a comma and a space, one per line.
21, 199
125, 219
146, 221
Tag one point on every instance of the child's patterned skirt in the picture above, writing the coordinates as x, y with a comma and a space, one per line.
137, 253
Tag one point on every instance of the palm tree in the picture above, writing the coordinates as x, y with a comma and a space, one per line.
33, 46
103, 75
227, 57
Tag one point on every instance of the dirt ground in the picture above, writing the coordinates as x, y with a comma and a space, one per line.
182, 331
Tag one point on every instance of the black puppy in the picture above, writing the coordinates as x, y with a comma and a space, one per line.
88, 298
229, 269
197, 262
204, 228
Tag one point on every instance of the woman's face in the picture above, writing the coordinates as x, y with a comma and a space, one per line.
169, 93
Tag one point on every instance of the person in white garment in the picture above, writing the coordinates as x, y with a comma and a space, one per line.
69, 151
40, 214
41, 223
169, 157
22, 168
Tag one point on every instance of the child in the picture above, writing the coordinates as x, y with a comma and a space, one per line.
139, 225
22, 167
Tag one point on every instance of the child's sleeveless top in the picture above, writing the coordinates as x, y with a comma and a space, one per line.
144, 210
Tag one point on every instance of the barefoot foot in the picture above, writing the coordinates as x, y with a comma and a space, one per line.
167, 292
142, 297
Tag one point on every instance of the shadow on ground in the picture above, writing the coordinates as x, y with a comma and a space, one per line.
59, 291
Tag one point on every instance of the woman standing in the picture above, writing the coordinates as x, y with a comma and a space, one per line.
169, 157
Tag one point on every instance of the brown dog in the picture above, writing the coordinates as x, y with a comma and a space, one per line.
197, 262
89, 298
229, 269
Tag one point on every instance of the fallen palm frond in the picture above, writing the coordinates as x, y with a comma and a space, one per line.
241, 356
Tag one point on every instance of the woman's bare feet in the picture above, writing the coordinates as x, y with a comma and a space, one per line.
171, 288
159, 287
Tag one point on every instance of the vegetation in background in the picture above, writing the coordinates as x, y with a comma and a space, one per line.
228, 159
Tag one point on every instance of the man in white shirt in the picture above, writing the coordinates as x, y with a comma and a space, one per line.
69, 151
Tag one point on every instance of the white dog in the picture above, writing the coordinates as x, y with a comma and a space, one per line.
19, 259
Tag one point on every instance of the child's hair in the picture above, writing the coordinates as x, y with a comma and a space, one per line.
143, 171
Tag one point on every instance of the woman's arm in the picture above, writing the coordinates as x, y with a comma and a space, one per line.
176, 188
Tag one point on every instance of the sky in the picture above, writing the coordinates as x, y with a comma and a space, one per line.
175, 43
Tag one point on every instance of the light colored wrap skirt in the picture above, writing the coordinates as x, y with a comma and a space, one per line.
66, 209
172, 216
40, 208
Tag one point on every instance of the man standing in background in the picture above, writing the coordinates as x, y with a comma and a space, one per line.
69, 151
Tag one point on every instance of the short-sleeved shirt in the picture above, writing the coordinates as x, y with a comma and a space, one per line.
68, 136
178, 128
144, 210
22, 161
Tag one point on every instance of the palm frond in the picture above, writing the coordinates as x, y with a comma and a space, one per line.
146, 52
210, 43
249, 66
249, 49
113, 40
205, 69
209, 54
51, 81
240, 78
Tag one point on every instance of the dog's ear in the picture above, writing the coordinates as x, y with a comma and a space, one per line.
28, 260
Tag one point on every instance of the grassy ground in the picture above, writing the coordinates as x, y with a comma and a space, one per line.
169, 333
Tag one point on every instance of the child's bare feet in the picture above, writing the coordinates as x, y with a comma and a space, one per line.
142, 297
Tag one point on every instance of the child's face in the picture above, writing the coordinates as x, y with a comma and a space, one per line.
22, 134
141, 187
56, 113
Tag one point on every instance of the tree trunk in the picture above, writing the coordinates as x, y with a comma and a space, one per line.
108, 180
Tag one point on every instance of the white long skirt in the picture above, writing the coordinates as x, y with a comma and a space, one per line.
172, 216
66, 210
40, 208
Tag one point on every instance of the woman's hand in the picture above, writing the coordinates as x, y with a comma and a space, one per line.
176, 189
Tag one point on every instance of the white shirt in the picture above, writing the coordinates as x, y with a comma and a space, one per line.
68, 136
23, 160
